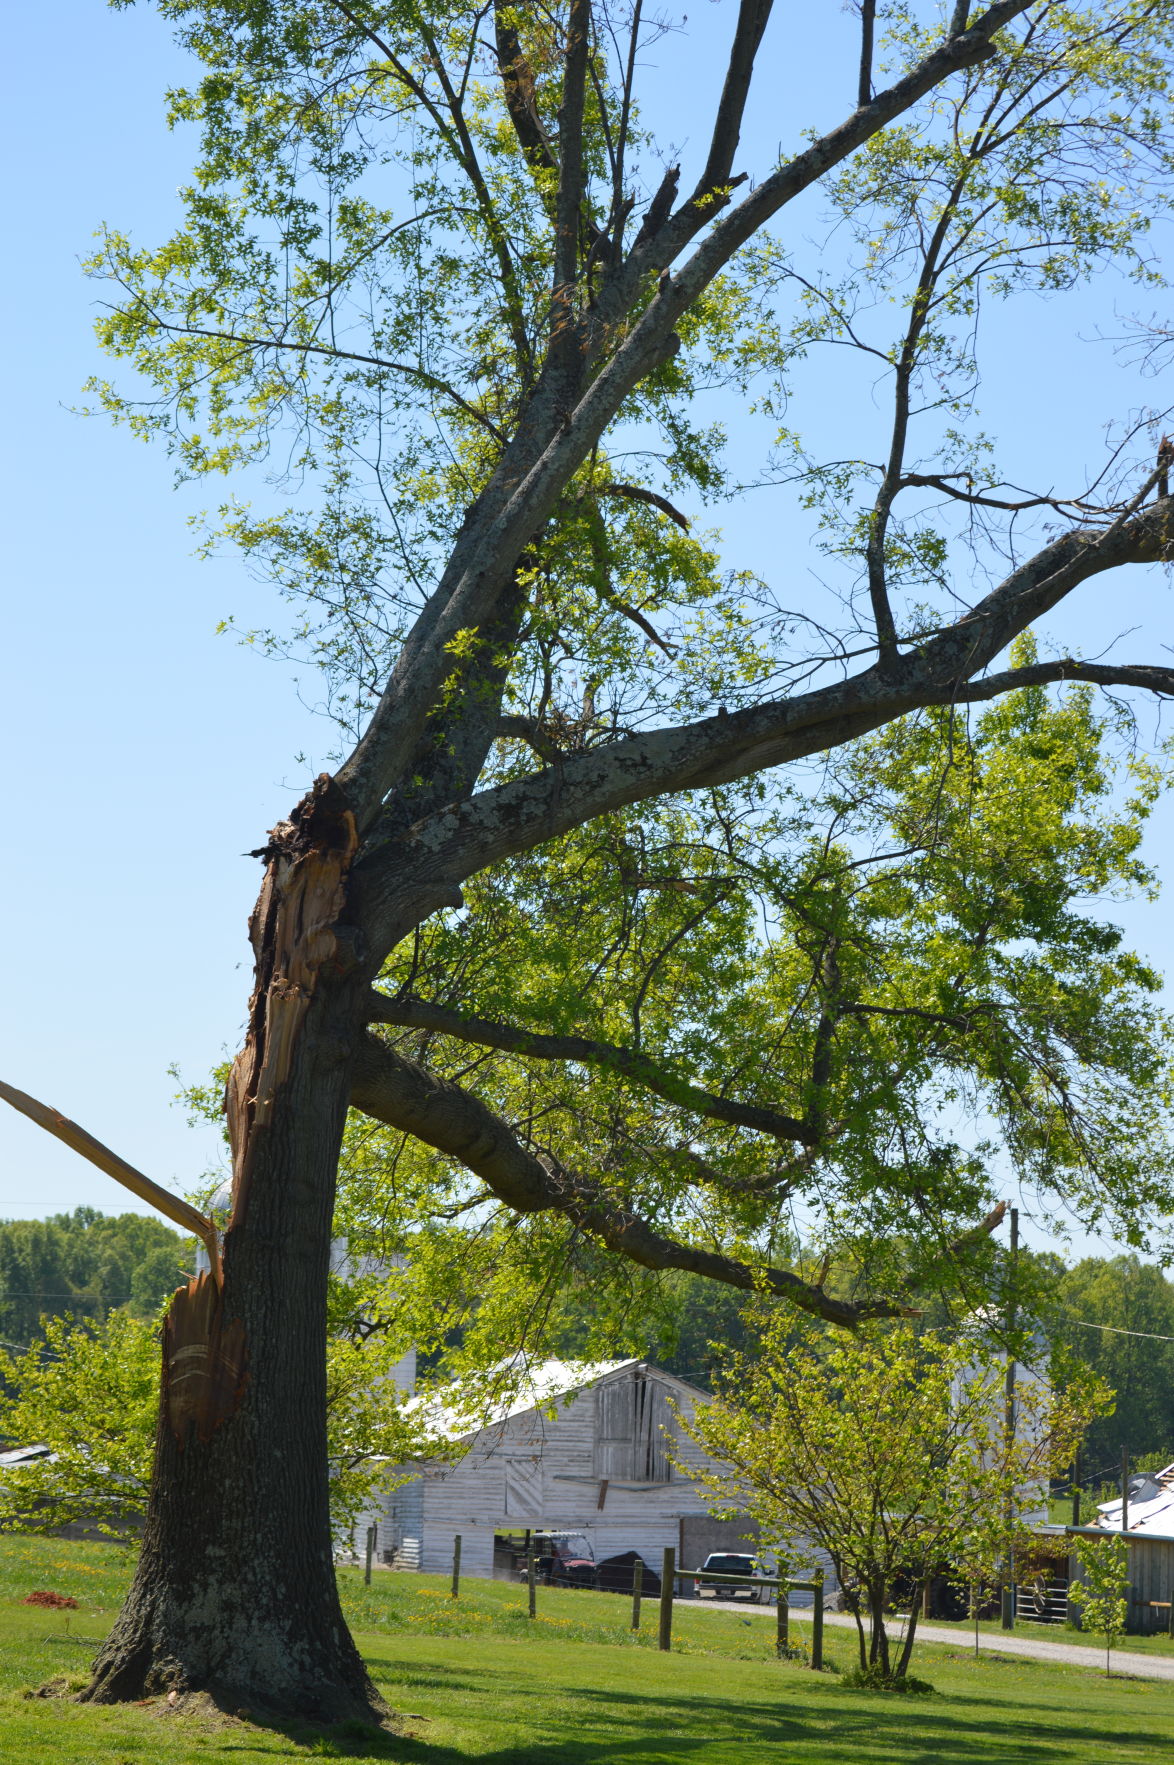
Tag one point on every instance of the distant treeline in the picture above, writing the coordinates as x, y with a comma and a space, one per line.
1088, 1307
1111, 1311
85, 1264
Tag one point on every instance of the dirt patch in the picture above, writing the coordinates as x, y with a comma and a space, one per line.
63, 1686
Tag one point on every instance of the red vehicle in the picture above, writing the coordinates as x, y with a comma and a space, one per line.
564, 1559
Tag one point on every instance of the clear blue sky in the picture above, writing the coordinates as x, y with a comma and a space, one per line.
144, 753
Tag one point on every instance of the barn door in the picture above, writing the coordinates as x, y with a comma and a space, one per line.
653, 1416
523, 1488
630, 1417
615, 1430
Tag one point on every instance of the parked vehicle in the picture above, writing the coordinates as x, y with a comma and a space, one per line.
720, 1563
564, 1559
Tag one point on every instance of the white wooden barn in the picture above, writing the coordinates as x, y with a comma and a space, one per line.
577, 1447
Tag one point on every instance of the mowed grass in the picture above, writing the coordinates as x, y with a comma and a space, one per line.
1161, 1644
475, 1680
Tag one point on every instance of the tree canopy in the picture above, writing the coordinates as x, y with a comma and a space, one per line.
908, 957
673, 990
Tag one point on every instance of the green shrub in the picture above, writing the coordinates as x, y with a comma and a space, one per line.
875, 1678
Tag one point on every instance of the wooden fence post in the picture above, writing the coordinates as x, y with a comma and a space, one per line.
817, 1627
456, 1565
637, 1589
668, 1574
783, 1616
531, 1582
372, 1535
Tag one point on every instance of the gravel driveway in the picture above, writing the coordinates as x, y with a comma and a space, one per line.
1014, 1643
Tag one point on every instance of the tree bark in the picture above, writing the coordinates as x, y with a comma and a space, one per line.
235, 1591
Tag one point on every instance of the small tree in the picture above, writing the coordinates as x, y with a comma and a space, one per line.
90, 1393
974, 1574
1101, 1591
888, 1449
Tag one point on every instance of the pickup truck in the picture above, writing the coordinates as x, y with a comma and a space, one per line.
720, 1563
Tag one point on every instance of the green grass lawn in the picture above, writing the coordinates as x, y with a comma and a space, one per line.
1092, 1639
483, 1683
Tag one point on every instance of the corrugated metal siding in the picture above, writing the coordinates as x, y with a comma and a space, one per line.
1151, 1577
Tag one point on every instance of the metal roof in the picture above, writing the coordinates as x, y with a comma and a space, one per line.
1151, 1508
511, 1388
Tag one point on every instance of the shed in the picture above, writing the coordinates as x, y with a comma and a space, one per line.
1150, 1535
571, 1446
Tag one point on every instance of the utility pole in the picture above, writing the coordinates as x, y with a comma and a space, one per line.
1124, 1490
1125, 1523
1008, 1600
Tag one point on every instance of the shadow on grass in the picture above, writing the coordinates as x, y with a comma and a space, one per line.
639, 1726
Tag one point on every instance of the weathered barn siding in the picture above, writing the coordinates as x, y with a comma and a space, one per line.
595, 1461
1151, 1577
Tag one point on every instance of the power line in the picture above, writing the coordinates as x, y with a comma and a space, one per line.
1146, 1335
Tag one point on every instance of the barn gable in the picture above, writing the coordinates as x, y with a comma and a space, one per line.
574, 1447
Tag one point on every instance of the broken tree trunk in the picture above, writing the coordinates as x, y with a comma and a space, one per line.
235, 1593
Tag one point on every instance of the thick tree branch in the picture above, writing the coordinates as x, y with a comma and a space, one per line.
529, 730
517, 79
419, 1014
1148, 677
521, 101
976, 1234
78, 1140
637, 494
517, 816
569, 200
727, 128
867, 33
442, 1115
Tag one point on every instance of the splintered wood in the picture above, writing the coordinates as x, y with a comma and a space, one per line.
204, 1361
292, 931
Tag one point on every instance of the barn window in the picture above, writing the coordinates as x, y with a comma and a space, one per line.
630, 1416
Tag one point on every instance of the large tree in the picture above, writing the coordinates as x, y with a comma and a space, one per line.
437, 268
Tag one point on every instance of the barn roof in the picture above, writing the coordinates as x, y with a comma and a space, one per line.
512, 1388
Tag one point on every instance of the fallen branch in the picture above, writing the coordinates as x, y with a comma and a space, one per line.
181, 1212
